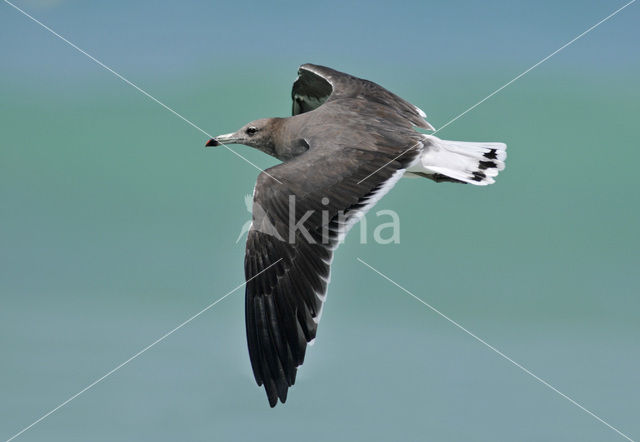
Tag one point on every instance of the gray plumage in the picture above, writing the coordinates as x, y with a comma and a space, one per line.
347, 143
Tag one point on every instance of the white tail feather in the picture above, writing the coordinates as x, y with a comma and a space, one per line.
474, 163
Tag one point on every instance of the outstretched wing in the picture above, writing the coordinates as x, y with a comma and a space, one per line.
283, 304
317, 84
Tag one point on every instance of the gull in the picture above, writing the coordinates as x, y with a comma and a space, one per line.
347, 143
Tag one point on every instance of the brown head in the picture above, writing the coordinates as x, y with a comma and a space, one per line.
260, 134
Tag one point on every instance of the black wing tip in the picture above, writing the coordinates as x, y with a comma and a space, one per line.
273, 396
273, 400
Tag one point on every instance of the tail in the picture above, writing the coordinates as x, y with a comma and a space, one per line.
474, 163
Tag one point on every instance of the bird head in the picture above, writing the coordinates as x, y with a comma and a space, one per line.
258, 134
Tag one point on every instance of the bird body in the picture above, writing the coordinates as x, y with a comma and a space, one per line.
346, 145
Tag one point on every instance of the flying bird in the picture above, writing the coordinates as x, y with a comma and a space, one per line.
345, 146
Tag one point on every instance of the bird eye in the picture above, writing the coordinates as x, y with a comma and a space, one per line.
251, 130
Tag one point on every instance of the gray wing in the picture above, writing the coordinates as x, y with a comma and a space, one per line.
283, 304
316, 85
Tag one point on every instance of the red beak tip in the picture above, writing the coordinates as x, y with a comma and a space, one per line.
211, 142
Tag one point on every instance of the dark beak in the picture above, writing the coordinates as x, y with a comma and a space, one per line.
223, 139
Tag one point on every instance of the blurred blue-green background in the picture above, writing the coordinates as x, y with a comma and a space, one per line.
117, 225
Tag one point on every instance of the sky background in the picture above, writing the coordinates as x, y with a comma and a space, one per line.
117, 225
